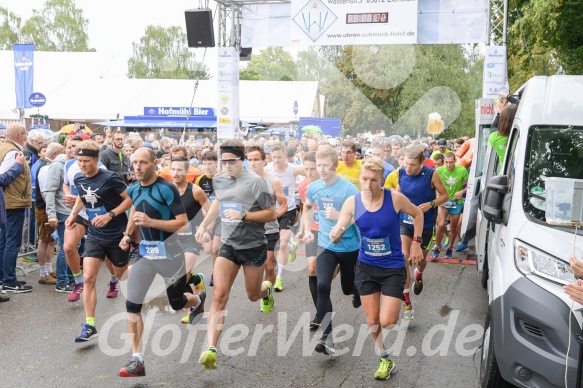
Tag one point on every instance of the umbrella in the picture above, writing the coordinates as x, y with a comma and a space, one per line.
2, 126
312, 129
75, 127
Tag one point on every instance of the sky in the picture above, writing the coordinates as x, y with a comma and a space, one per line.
115, 24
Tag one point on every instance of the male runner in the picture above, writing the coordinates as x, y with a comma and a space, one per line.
455, 179
330, 192
158, 212
286, 173
380, 271
256, 159
244, 204
103, 194
418, 183
193, 199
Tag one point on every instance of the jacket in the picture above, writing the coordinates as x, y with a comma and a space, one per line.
6, 179
110, 160
18, 194
54, 193
30, 154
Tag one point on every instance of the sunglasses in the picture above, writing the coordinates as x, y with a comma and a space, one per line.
229, 161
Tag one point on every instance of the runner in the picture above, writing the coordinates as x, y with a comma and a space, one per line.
311, 248
380, 271
418, 183
455, 179
256, 159
159, 214
74, 236
193, 199
329, 193
349, 167
244, 203
286, 173
103, 194
205, 182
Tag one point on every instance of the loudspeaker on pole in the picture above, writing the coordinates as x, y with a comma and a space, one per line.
199, 28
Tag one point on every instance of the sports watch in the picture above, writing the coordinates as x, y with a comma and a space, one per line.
111, 214
417, 239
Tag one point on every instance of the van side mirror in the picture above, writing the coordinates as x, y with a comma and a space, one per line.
496, 191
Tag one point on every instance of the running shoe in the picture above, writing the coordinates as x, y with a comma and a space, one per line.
112, 291
200, 285
445, 243
208, 359
462, 246
408, 313
326, 345
76, 294
134, 368
435, 253
278, 284
385, 369
267, 302
66, 288
196, 312
418, 284
16, 288
356, 301
314, 324
87, 333
449, 253
292, 252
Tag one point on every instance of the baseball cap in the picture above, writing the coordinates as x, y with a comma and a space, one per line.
148, 145
442, 143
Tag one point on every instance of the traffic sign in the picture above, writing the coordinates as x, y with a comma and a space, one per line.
295, 108
37, 99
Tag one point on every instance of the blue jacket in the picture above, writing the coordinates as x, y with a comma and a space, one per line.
5, 180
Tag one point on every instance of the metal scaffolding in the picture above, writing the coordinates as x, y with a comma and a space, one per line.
497, 22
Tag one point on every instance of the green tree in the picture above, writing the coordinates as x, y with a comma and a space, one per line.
59, 26
9, 29
272, 64
163, 53
312, 65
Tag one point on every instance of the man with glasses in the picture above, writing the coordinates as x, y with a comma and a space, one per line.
18, 198
244, 205
349, 167
114, 159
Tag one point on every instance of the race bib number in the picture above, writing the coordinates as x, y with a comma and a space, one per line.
98, 211
451, 204
153, 250
324, 203
230, 206
286, 190
376, 247
407, 219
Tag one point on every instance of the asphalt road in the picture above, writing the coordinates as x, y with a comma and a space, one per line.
436, 349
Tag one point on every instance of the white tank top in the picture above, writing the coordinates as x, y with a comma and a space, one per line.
288, 181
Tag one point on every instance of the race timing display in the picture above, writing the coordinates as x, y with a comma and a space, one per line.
369, 17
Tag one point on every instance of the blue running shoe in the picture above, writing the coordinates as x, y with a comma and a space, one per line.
461, 247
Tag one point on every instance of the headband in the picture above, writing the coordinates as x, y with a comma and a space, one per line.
234, 151
86, 152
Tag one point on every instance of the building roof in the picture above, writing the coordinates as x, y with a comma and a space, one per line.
78, 86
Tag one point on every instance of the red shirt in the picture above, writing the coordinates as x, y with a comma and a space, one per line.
429, 163
303, 190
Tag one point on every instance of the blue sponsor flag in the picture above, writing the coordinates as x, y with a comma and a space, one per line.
24, 75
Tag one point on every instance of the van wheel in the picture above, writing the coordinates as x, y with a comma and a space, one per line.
489, 373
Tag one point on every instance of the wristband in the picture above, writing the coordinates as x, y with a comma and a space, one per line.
432, 204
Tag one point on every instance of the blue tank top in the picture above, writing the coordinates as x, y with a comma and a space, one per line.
380, 231
417, 188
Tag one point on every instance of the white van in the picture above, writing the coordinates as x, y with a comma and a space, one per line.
523, 258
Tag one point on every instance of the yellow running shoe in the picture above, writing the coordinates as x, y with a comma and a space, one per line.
292, 252
385, 369
186, 317
208, 359
278, 285
267, 302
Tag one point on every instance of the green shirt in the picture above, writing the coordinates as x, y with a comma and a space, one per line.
453, 180
499, 144
432, 157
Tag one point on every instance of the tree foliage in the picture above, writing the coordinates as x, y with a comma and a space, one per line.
163, 53
273, 64
59, 26
9, 29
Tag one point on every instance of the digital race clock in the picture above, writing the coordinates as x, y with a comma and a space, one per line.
368, 17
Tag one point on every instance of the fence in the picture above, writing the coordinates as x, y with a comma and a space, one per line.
28, 248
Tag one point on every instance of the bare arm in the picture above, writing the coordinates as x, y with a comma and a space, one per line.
401, 203
299, 170
264, 215
346, 218
279, 197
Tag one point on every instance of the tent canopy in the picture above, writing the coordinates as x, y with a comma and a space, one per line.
145, 123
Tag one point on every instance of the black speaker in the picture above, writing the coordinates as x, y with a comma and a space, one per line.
245, 54
199, 27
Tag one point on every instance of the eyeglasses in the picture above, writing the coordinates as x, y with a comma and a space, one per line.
229, 161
